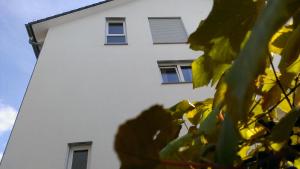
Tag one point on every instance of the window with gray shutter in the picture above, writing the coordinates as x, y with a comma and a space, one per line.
167, 30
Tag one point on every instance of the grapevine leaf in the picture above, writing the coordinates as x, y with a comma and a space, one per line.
200, 112
181, 108
283, 129
139, 141
251, 61
271, 98
222, 50
201, 71
294, 68
290, 54
205, 69
279, 39
226, 15
252, 132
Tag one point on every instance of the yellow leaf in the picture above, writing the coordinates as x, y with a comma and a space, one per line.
295, 140
243, 153
294, 67
277, 146
201, 111
250, 133
284, 106
279, 39
297, 163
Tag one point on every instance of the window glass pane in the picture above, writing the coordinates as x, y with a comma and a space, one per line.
169, 75
80, 159
115, 28
187, 73
116, 39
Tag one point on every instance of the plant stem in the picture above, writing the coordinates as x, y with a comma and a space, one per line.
294, 95
271, 109
279, 83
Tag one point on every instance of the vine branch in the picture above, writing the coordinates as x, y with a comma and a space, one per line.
279, 83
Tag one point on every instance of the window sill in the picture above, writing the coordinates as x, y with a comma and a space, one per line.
176, 83
170, 43
115, 44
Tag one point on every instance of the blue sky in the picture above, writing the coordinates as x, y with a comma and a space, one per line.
16, 55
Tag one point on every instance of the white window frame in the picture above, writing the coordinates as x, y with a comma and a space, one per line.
177, 66
107, 34
72, 149
168, 67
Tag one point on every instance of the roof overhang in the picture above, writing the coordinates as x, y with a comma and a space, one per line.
37, 30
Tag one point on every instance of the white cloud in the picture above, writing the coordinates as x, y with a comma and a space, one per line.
7, 117
1, 155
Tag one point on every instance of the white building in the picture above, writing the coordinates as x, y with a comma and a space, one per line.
97, 67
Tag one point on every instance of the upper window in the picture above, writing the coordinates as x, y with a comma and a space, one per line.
167, 30
175, 72
79, 156
116, 31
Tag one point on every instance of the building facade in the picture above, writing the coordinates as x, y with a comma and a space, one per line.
97, 67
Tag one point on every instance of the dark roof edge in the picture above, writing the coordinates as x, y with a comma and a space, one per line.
32, 39
69, 12
31, 32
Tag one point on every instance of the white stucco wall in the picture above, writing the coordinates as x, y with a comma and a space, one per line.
81, 89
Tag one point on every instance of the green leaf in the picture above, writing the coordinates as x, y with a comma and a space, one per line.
181, 108
139, 141
251, 60
290, 54
222, 22
228, 143
206, 70
283, 129
201, 111
209, 125
221, 50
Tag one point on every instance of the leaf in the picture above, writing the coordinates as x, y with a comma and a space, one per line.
267, 81
204, 69
221, 50
252, 132
297, 163
283, 129
284, 106
279, 39
209, 125
228, 142
251, 61
139, 141
226, 14
201, 111
290, 54
294, 68
248, 151
221, 46
174, 146
181, 108
271, 98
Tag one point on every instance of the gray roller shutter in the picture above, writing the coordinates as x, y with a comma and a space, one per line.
167, 30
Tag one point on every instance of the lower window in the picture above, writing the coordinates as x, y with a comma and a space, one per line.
175, 71
79, 155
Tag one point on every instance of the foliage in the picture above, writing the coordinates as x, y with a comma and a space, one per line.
253, 121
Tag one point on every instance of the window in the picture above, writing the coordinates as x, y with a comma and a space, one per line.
79, 155
115, 31
169, 74
167, 30
187, 73
175, 72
